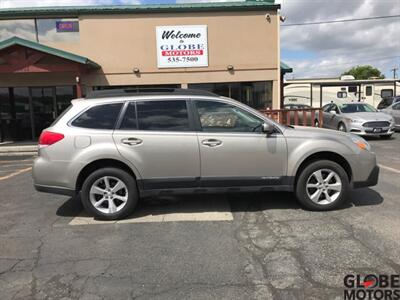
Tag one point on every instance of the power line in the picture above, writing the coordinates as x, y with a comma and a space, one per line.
341, 21
359, 61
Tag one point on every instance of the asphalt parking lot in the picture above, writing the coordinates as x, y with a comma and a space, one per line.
248, 246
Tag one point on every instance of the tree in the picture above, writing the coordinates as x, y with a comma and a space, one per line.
364, 72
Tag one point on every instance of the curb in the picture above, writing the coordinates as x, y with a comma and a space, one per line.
2, 154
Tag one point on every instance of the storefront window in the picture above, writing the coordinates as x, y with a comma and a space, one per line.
255, 94
58, 30
5, 118
64, 96
20, 99
21, 28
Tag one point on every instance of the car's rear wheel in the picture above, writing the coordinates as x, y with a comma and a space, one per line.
322, 185
342, 127
109, 194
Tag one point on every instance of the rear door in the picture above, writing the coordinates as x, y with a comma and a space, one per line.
234, 151
156, 136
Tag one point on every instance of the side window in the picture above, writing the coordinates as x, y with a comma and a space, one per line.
129, 121
222, 117
327, 108
166, 115
99, 117
334, 107
353, 89
386, 93
396, 106
368, 90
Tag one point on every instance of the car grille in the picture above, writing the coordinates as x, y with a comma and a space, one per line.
376, 124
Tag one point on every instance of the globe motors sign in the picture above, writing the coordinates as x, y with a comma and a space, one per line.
182, 46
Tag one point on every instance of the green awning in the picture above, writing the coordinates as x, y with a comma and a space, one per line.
285, 68
49, 50
57, 11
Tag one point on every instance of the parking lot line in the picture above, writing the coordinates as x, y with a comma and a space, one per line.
194, 210
390, 169
15, 173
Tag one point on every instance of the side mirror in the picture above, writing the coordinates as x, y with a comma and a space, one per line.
267, 128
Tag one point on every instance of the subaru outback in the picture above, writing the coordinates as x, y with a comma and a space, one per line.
115, 147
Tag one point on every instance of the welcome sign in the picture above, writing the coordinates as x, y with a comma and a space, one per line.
182, 46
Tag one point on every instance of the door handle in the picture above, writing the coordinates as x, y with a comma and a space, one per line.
211, 143
131, 141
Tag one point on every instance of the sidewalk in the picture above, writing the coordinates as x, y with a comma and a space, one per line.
23, 148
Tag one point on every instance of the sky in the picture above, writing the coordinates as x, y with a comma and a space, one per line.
325, 50
329, 49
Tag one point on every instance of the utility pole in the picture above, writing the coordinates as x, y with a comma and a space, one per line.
394, 70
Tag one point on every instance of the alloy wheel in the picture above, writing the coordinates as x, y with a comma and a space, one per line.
108, 194
324, 186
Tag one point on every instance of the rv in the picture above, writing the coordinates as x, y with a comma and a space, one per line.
320, 91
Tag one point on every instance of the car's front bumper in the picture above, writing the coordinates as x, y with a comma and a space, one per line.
359, 129
372, 179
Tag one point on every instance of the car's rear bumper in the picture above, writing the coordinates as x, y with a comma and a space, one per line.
371, 180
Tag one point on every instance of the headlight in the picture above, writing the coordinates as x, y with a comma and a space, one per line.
354, 120
361, 143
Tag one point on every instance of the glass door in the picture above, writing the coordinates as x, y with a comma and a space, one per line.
44, 108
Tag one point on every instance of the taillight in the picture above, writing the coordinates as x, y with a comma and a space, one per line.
48, 138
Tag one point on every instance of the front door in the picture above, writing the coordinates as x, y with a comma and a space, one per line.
234, 150
331, 116
157, 137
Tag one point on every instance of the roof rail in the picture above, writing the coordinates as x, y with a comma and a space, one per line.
147, 92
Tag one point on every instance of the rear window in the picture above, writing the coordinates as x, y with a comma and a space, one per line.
163, 115
99, 117
61, 115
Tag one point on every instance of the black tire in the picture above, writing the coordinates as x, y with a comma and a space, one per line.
132, 197
341, 125
386, 137
301, 190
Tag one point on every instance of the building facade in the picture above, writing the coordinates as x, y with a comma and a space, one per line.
49, 56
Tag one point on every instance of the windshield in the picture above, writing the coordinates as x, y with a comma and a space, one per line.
355, 108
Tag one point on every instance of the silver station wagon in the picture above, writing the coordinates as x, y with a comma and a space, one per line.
115, 147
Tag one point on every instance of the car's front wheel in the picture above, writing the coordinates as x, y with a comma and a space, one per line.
322, 185
109, 194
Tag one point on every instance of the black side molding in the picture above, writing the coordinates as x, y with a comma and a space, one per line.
55, 190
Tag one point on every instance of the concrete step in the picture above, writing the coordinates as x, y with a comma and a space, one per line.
18, 149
